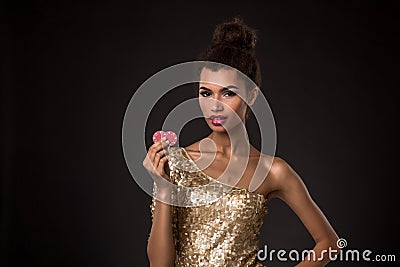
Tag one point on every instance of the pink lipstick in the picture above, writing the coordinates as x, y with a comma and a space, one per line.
217, 119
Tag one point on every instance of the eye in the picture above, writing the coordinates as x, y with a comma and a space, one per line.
229, 93
205, 93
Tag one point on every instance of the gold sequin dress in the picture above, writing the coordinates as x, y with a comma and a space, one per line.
220, 232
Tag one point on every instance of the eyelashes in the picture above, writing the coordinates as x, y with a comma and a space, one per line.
228, 93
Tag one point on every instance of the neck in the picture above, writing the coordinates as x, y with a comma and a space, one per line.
231, 144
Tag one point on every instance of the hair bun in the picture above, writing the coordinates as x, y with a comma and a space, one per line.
235, 33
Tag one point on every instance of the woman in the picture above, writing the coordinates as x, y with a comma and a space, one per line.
224, 231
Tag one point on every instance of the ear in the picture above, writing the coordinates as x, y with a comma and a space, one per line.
252, 96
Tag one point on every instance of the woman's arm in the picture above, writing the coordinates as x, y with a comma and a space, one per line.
289, 187
160, 248
160, 245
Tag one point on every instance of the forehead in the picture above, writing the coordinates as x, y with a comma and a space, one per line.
221, 77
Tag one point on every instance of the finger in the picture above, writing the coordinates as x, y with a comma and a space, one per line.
161, 162
156, 147
150, 159
159, 159
160, 154
160, 167
146, 161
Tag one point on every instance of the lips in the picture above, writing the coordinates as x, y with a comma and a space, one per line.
217, 119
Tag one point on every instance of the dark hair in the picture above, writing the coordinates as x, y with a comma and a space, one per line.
234, 45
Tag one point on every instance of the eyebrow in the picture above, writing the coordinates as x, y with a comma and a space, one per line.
223, 88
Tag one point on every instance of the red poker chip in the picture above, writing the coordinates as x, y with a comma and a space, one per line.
158, 135
170, 135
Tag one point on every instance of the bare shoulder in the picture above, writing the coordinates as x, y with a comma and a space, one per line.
279, 168
280, 175
283, 179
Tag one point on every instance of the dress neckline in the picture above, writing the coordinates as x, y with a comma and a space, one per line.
188, 157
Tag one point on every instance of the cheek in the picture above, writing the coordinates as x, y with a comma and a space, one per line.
203, 104
238, 106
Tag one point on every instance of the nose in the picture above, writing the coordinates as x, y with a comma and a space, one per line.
216, 105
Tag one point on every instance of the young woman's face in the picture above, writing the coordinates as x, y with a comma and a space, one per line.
220, 98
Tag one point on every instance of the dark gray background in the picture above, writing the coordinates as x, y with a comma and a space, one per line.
69, 70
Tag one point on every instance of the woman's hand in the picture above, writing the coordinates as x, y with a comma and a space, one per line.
155, 160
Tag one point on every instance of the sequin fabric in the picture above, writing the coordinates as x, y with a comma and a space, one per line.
219, 231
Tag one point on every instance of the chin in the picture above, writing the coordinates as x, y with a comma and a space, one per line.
216, 128
222, 129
